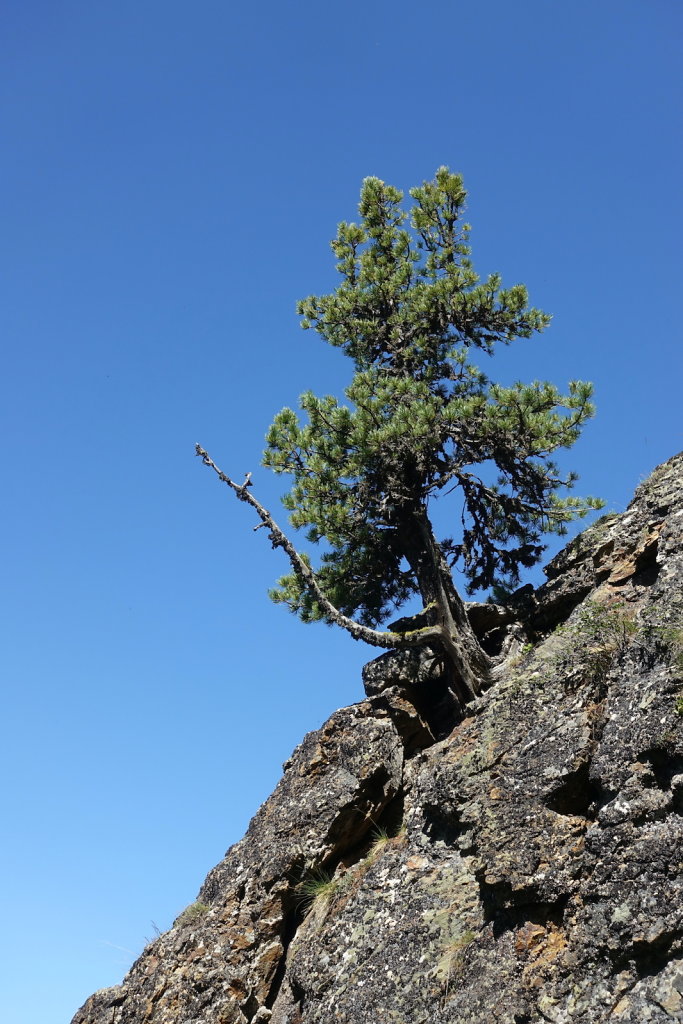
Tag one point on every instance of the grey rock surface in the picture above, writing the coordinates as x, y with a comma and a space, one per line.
520, 866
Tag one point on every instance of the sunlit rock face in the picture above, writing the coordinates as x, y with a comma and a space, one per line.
522, 865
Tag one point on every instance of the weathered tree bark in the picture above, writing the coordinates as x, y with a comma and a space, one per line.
470, 664
449, 633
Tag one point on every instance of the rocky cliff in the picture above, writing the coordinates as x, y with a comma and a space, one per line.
524, 864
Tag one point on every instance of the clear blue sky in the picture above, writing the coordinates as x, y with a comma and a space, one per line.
171, 176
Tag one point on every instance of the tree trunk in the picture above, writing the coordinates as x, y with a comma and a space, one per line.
449, 632
471, 666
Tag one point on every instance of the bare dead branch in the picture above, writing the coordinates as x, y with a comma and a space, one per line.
374, 637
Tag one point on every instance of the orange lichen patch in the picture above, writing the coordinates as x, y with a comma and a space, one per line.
577, 848
243, 940
195, 954
317, 763
556, 942
542, 946
528, 936
237, 989
462, 741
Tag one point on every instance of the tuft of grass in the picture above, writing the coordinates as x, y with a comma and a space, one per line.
191, 915
317, 889
454, 960
672, 637
663, 640
382, 837
610, 626
667, 740
514, 660
595, 638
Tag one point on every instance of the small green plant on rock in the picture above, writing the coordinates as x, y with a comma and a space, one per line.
382, 837
318, 889
514, 660
192, 914
454, 959
611, 626
595, 638
672, 636
663, 641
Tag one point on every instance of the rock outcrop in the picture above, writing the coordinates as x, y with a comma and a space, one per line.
522, 865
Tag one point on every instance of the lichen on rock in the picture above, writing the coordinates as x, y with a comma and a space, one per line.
523, 864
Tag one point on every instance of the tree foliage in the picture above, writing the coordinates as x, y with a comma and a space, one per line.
422, 419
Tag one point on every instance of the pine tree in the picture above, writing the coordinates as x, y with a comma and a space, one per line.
422, 421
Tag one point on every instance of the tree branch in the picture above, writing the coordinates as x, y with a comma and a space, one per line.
374, 637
